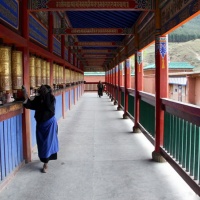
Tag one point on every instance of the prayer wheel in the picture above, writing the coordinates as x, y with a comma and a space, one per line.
32, 71
57, 74
38, 72
65, 75
44, 72
5, 69
54, 73
58, 80
61, 74
48, 73
17, 72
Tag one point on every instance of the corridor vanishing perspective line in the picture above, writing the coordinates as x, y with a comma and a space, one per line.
99, 159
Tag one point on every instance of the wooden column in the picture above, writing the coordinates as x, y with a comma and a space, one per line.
50, 45
113, 83
27, 148
116, 80
161, 82
138, 87
119, 85
109, 83
127, 84
63, 57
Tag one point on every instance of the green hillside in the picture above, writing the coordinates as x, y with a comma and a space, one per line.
187, 32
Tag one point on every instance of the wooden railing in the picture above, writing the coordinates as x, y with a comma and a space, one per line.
181, 146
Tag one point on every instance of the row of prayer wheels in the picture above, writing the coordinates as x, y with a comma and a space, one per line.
11, 71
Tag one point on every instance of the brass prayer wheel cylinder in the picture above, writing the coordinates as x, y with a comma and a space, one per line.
57, 74
32, 71
65, 76
17, 72
61, 74
44, 72
5, 69
48, 73
58, 79
54, 73
38, 72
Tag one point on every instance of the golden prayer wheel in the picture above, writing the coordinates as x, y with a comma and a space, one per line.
48, 73
57, 74
61, 74
5, 69
65, 75
54, 73
44, 72
17, 72
32, 71
38, 72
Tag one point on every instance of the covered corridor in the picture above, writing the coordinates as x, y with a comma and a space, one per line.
100, 158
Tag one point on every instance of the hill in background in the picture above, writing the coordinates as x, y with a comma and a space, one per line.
188, 51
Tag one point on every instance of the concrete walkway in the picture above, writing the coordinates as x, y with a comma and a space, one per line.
99, 159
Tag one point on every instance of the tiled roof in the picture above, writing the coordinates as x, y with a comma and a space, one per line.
173, 65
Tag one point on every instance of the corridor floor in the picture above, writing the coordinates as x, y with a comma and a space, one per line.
99, 159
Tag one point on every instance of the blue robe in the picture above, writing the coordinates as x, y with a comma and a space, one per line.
47, 140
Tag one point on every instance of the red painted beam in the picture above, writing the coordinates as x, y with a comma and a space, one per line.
10, 37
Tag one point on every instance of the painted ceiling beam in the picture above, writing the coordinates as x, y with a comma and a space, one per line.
93, 31
85, 5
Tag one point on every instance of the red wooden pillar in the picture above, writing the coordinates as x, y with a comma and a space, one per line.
27, 148
161, 83
106, 81
63, 57
109, 83
138, 87
50, 45
161, 92
116, 75
120, 74
106, 77
113, 83
127, 84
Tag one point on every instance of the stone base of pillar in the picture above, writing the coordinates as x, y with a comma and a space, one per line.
112, 99
119, 108
136, 130
125, 116
157, 157
115, 102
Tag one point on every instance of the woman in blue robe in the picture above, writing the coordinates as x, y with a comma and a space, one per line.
46, 126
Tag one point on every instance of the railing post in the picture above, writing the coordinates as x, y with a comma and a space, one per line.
127, 85
119, 85
116, 79
112, 84
161, 83
63, 57
26, 81
138, 87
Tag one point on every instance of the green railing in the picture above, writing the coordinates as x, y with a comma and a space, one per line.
131, 100
182, 138
147, 117
116, 93
122, 98
181, 145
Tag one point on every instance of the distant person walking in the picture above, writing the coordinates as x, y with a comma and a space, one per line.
46, 127
100, 88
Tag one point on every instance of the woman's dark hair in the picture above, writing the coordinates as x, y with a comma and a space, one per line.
44, 89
